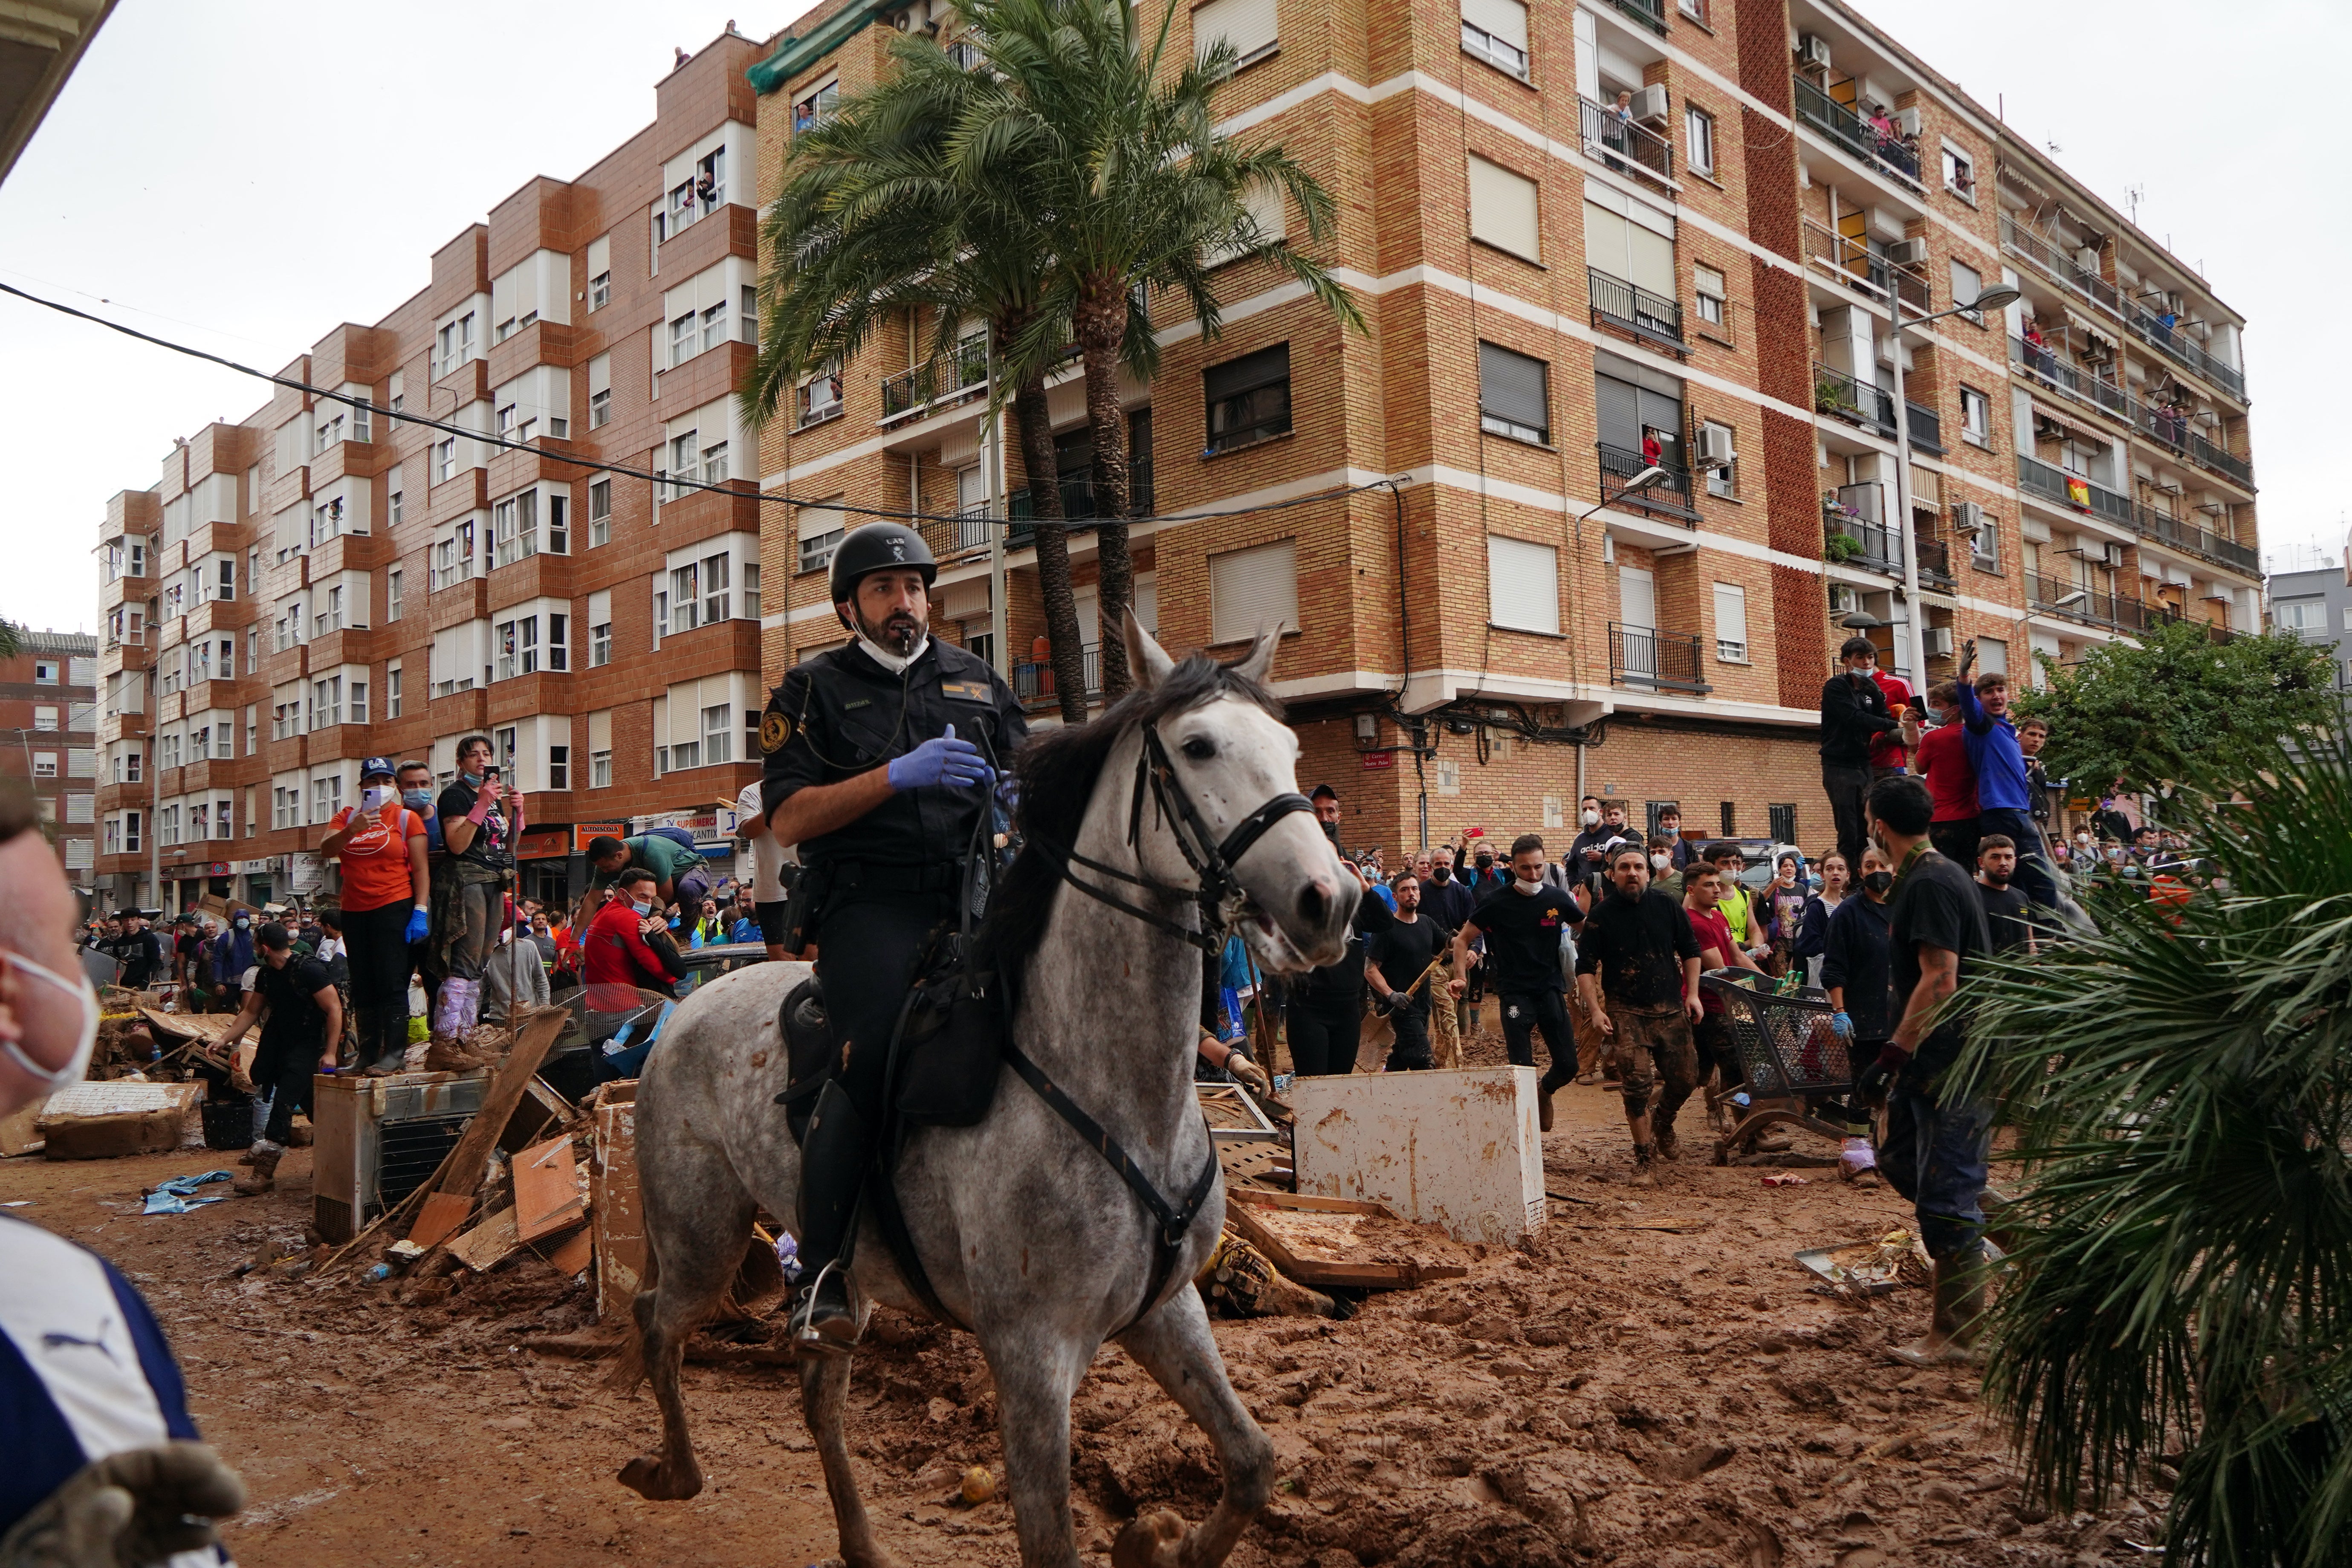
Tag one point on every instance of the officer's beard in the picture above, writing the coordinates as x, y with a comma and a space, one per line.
899, 635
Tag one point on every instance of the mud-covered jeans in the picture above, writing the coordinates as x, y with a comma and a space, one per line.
1936, 1155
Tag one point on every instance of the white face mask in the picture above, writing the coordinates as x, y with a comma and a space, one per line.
372, 798
78, 1063
1591, 817
1658, 862
1523, 885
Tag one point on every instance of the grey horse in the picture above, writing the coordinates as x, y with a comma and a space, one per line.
1028, 1235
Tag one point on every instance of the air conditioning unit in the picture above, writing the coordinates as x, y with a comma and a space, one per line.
1844, 599
1939, 641
1648, 104
1906, 120
1812, 50
1968, 517
1886, 353
2048, 430
1714, 447
1908, 253
376, 1140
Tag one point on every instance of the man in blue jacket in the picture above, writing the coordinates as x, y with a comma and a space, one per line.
2004, 790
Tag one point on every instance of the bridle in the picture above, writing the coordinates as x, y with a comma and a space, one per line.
1220, 895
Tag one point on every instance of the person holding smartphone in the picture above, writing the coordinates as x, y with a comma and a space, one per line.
480, 821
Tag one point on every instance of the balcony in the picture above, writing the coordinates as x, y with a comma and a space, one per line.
1078, 488
1853, 263
1624, 146
2198, 541
1888, 154
1935, 557
2093, 607
1651, 318
1033, 682
1653, 660
1853, 516
1926, 427
2162, 333
1668, 496
2042, 365
1650, 14
1856, 402
2044, 251
2172, 430
954, 539
939, 383
2036, 477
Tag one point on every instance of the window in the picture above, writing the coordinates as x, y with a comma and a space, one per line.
167, 824
820, 396
137, 564
1522, 585
714, 463
392, 594
225, 580
750, 578
46, 671
1513, 395
600, 272
1248, 399
1252, 589
1722, 477
515, 532
1695, 9
1707, 287
2301, 618
454, 345
1984, 550
1966, 284
714, 326
1960, 176
326, 797
44, 764
114, 837
820, 534
358, 698
748, 320
683, 452
600, 645
81, 761
200, 744
285, 806
600, 408
559, 767
699, 593
45, 716
1992, 655
600, 770
392, 683
681, 340
444, 460
326, 702
330, 614
718, 733
1976, 417
1495, 31
200, 822
1503, 210
1698, 139
815, 108
1247, 24
1730, 623
600, 512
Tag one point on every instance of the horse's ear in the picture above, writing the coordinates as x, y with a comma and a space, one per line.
1145, 660
1255, 664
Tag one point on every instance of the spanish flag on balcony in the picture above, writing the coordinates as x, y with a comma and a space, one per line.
2078, 492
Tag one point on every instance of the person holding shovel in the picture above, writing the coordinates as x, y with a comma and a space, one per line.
1407, 951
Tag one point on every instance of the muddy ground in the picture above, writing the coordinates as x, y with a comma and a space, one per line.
1620, 1392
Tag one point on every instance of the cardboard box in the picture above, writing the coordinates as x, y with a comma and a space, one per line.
1456, 1148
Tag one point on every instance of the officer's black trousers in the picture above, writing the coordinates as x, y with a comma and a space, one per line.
867, 946
1326, 1027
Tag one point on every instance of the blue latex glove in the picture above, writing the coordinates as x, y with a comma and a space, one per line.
417, 927
1841, 1026
942, 760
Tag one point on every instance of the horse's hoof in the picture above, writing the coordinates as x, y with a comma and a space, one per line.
1150, 1541
647, 1477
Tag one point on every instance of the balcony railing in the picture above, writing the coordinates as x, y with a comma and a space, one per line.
2037, 477
1033, 682
1935, 557
2044, 252
1926, 427
2042, 364
2172, 340
950, 379
2171, 429
1623, 145
1657, 660
1890, 154
2093, 607
1077, 501
1650, 317
1650, 14
1854, 515
1863, 271
1669, 496
2198, 541
953, 537
1835, 392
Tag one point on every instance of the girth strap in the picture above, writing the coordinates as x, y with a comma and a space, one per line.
1174, 1222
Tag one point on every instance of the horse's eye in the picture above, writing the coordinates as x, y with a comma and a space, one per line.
1199, 748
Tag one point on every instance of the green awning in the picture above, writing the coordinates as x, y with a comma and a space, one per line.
795, 56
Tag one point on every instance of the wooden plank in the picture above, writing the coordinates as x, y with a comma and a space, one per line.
613, 1208
488, 1244
547, 1189
469, 1162
1314, 1240
442, 1214
575, 1252
1309, 1203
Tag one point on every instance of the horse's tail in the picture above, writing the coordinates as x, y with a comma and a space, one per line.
629, 1367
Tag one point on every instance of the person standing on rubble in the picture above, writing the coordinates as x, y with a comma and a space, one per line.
298, 1037
481, 820
387, 891
879, 755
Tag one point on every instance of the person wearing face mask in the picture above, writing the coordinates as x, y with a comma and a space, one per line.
232, 962
387, 891
1855, 972
1681, 847
1855, 714
617, 961
102, 1462
879, 759
1446, 899
1522, 925
1637, 968
299, 1036
1665, 875
481, 820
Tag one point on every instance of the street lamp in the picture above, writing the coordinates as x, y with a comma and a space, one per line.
1999, 297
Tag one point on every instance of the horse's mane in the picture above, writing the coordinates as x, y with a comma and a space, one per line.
1058, 770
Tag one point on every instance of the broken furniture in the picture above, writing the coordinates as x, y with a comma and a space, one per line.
1331, 1241
1455, 1147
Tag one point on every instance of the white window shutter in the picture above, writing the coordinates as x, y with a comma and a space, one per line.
1252, 589
1522, 585
1249, 23
1503, 210
1504, 19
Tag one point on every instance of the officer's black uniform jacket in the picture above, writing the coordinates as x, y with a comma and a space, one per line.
841, 714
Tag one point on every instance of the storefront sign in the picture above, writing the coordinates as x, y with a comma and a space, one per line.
306, 874
220, 868
544, 844
582, 832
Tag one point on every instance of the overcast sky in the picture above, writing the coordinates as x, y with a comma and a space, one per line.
214, 172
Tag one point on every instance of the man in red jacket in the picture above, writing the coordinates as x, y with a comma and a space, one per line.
1888, 751
616, 959
1942, 759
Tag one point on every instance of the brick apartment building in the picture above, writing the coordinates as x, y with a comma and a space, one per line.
48, 708
316, 583
1548, 284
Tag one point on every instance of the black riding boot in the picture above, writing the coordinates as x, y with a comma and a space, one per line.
834, 1155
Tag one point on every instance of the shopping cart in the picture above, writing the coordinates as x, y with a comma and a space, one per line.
1792, 1058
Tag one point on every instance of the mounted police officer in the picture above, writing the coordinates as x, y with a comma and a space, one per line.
879, 758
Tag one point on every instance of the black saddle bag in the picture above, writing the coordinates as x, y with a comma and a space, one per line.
951, 1041
808, 1051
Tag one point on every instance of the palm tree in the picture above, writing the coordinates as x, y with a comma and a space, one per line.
869, 226
1078, 121
9, 642
2181, 1087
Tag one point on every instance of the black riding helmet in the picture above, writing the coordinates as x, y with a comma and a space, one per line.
878, 547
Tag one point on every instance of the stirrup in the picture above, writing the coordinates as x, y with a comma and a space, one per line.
807, 1336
